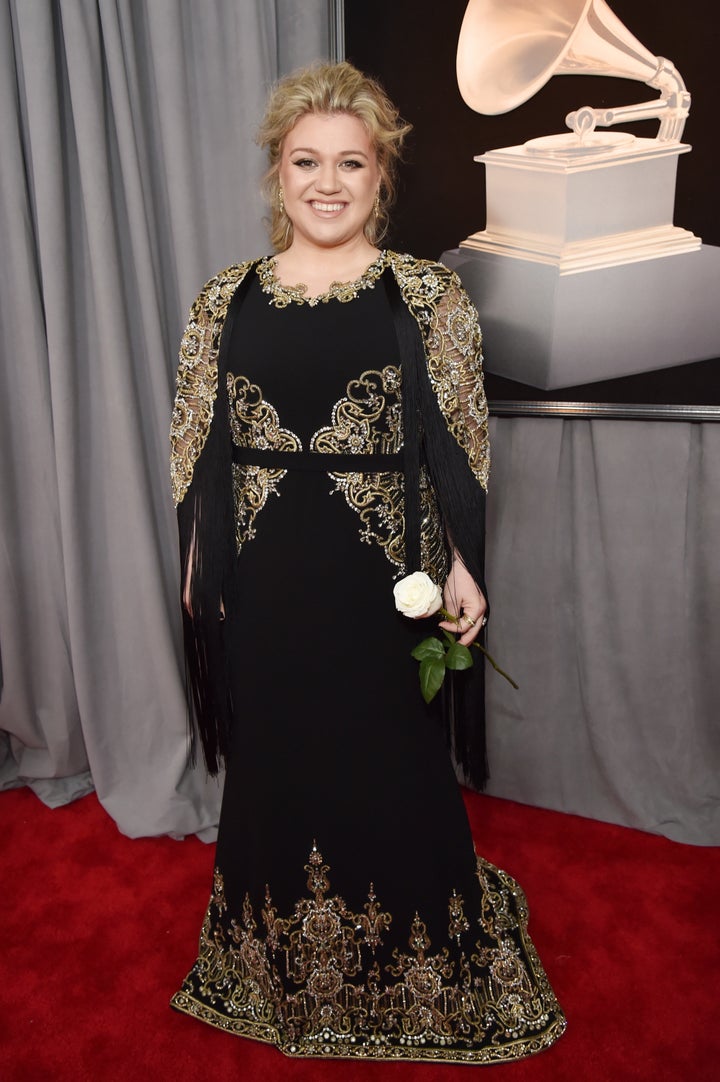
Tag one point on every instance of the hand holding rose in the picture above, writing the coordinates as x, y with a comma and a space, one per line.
465, 603
417, 596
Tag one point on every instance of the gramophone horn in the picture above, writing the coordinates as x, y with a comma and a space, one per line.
508, 49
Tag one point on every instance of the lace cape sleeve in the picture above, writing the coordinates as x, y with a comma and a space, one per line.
197, 376
453, 348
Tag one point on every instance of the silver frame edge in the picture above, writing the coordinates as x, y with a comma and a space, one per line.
336, 14
610, 410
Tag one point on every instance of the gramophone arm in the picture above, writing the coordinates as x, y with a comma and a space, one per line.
671, 108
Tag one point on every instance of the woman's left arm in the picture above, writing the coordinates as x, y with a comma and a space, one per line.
459, 373
455, 366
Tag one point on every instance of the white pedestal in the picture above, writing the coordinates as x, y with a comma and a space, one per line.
580, 274
583, 211
550, 329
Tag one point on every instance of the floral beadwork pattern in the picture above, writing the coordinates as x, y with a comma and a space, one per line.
316, 982
197, 376
368, 420
434, 294
453, 347
254, 423
281, 296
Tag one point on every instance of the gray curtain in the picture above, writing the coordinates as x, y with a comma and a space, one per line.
128, 175
603, 561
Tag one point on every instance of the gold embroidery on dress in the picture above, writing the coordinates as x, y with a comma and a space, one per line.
368, 420
434, 558
197, 376
312, 982
434, 294
254, 423
458, 921
281, 295
453, 346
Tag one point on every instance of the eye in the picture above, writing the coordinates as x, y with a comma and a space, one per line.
352, 163
304, 163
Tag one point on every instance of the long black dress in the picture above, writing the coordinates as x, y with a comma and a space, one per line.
350, 915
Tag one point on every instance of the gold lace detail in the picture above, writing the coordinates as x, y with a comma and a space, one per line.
434, 557
369, 420
254, 423
434, 294
314, 982
281, 296
453, 346
197, 376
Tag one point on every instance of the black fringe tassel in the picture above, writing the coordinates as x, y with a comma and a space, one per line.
206, 522
462, 504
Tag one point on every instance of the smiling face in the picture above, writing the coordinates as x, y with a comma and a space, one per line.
329, 176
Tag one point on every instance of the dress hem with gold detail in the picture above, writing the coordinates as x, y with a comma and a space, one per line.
499, 1007
186, 1004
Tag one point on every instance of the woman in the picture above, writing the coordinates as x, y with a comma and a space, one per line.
329, 436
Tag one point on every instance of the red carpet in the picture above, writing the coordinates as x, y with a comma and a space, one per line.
98, 931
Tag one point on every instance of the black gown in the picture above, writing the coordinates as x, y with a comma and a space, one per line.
350, 916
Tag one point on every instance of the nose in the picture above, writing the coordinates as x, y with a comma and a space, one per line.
327, 179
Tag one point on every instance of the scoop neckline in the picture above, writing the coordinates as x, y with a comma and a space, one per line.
282, 295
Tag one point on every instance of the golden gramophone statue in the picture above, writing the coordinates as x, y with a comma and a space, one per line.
580, 274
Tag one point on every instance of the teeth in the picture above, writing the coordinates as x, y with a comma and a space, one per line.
317, 205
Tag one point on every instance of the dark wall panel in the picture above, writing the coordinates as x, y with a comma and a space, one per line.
410, 46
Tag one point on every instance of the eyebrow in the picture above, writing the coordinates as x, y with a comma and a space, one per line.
312, 150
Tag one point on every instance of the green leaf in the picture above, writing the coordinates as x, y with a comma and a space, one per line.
449, 636
432, 674
429, 649
458, 657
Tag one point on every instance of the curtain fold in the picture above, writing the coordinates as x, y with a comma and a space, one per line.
602, 558
128, 176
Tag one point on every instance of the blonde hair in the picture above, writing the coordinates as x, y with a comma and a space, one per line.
327, 89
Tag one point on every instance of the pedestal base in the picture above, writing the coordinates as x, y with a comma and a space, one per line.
552, 330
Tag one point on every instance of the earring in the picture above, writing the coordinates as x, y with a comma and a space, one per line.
281, 201
376, 204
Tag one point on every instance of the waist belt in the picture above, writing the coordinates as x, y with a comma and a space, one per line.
317, 460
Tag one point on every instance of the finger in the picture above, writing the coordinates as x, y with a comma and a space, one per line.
455, 624
469, 636
468, 629
470, 626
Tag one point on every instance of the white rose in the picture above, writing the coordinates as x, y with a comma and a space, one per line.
417, 595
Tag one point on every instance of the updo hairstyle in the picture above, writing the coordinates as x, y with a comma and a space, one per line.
326, 89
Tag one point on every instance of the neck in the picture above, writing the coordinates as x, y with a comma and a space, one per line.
341, 262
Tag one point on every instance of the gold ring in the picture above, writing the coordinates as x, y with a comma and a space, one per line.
469, 619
